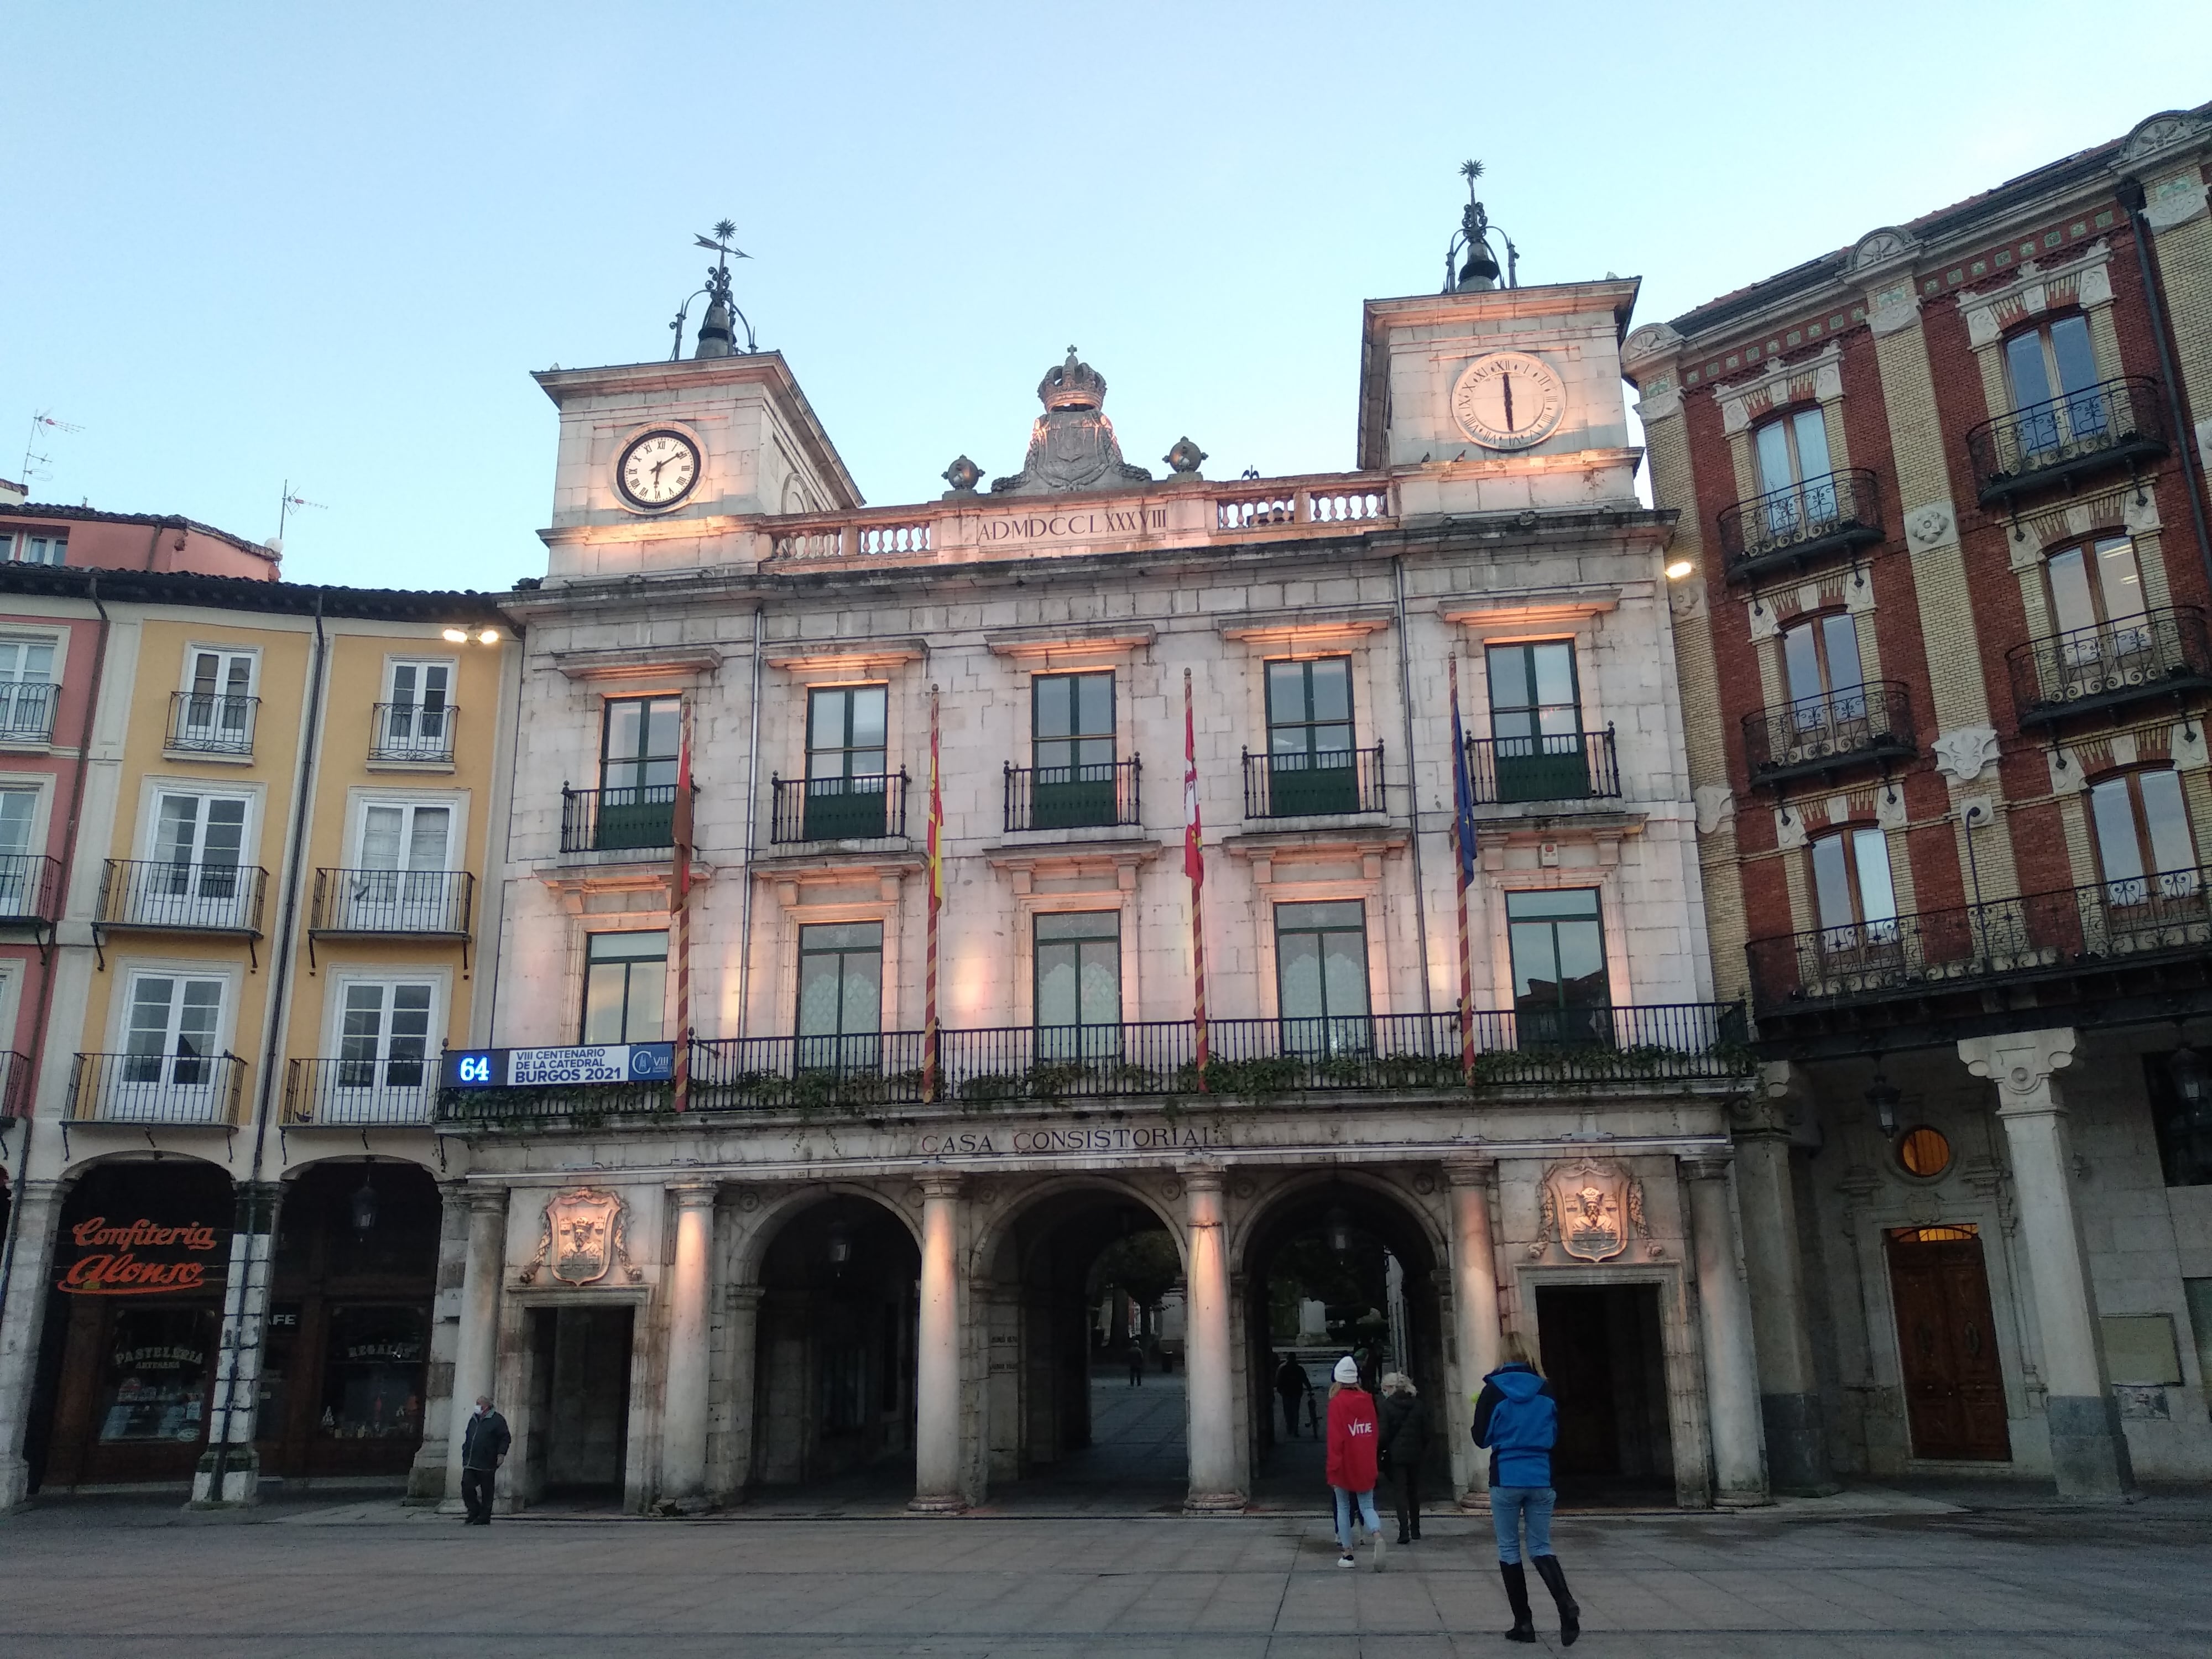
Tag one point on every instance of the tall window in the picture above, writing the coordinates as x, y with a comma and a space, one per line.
19, 886
1560, 990
1320, 975
2053, 372
2143, 844
1310, 738
418, 710
1079, 983
1795, 477
27, 691
846, 761
1535, 718
174, 1023
218, 711
1825, 682
1071, 732
637, 771
840, 995
2097, 602
401, 882
625, 983
201, 839
1853, 894
384, 1034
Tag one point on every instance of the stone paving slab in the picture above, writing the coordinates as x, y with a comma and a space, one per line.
135, 1580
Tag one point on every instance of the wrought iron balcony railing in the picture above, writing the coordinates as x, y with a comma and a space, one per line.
30, 889
15, 1086
392, 902
1071, 797
1794, 527
1549, 766
203, 723
628, 820
421, 732
360, 1092
1829, 733
27, 711
156, 1088
2115, 422
1338, 783
2162, 653
1625, 1047
188, 898
868, 807
2104, 922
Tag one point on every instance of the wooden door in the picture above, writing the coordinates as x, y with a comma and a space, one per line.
1946, 1345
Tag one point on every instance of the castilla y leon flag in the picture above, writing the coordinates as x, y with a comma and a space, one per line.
936, 904
1463, 836
680, 885
1193, 866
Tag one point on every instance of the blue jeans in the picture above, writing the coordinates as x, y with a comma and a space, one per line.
1507, 1505
1343, 1502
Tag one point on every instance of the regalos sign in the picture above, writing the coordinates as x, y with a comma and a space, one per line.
141, 1258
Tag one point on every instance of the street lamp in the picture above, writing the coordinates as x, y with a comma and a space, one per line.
461, 636
1339, 1230
840, 1244
2185, 1068
364, 1202
1883, 1096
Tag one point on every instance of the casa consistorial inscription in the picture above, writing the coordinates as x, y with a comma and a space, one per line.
1062, 1140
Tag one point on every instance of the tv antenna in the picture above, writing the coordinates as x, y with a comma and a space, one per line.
44, 418
288, 504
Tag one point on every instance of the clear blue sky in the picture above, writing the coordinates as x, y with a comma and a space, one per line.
252, 243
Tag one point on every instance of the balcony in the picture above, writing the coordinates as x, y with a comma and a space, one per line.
2114, 423
181, 899
1630, 1048
1340, 783
15, 1086
1071, 797
1549, 766
1826, 735
27, 711
2110, 667
630, 820
393, 902
871, 806
30, 890
2072, 943
1790, 529
202, 723
410, 733
178, 1088
359, 1093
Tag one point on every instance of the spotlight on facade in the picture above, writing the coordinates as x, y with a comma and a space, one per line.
364, 1205
840, 1243
454, 635
1883, 1096
1678, 569
1339, 1230
490, 636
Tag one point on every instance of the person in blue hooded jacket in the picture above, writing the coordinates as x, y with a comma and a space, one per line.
1517, 1418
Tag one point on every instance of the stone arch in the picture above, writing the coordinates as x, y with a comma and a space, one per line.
758, 1231
76, 1170
999, 1231
1424, 1215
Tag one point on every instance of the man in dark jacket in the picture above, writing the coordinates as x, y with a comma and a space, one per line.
1405, 1442
1291, 1388
483, 1445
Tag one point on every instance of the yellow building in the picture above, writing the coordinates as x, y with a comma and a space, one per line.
285, 807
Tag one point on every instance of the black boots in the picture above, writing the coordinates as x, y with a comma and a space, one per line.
1571, 1615
1516, 1597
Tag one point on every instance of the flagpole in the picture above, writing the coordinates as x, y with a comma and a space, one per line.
1194, 864
936, 875
680, 886
1462, 858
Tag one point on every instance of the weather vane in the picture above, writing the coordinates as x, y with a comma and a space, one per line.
715, 334
1480, 269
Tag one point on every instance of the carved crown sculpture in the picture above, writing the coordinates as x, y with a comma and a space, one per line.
1071, 385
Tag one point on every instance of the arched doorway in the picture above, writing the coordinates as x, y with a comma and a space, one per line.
1085, 1333
834, 1354
1331, 1267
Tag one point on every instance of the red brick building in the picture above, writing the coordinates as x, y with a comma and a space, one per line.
1942, 619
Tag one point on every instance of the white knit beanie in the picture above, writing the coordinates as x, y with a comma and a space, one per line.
1347, 1371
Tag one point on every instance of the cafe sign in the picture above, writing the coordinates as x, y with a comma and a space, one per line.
140, 1257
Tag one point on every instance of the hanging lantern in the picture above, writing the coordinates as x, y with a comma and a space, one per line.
2192, 1083
1883, 1096
840, 1244
364, 1203
1338, 1225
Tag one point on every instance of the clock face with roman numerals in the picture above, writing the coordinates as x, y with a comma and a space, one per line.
657, 468
1509, 400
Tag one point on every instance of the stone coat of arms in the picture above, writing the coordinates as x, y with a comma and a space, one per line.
583, 1237
1591, 1207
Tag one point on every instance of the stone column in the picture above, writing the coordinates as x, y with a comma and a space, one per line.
23, 1322
2088, 1447
1789, 1393
937, 1353
1725, 1314
1474, 1319
229, 1471
684, 1403
475, 1359
744, 1327
1209, 1371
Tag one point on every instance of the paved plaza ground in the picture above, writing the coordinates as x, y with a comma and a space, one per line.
1095, 1561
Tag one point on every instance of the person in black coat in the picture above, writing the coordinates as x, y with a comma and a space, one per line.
483, 1443
1292, 1387
1405, 1422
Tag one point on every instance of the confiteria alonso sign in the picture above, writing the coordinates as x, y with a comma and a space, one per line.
111, 1263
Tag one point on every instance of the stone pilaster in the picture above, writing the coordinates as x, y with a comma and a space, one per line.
1724, 1319
1788, 1394
743, 1325
23, 1322
685, 1398
229, 1471
1208, 1369
937, 1357
475, 1360
1474, 1319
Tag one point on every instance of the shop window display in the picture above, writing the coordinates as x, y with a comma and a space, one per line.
156, 1383
373, 1374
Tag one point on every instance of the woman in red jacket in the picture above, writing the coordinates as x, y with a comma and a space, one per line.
1353, 1438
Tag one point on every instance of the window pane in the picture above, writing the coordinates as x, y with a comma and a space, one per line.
1831, 883
1557, 902
1348, 912
15, 806
1332, 689
150, 999
426, 844
2120, 582
2118, 848
1772, 441
1509, 677
1054, 706
1298, 975
826, 722
1344, 973
2031, 382
1810, 429
1095, 704
2077, 360
1080, 924
1535, 962
1286, 694
605, 983
380, 837
1100, 978
1582, 962
178, 837
1840, 635
1801, 663
2171, 846
628, 947
2071, 603
1877, 897
871, 711
863, 997
1057, 1002
1554, 667
841, 936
